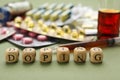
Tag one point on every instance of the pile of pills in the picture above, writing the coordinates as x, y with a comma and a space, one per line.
58, 13
52, 30
55, 20
26, 38
63, 55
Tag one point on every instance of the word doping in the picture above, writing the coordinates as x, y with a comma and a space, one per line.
63, 55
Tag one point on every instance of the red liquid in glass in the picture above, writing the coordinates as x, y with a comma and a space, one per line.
108, 24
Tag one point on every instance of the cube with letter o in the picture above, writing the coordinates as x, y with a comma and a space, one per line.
28, 55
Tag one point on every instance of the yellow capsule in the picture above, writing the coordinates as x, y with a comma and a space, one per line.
18, 20
55, 15
31, 12
40, 23
37, 15
74, 34
47, 14
66, 29
17, 25
81, 37
81, 30
53, 26
30, 24
45, 29
60, 6
51, 32
68, 6
65, 15
59, 32
30, 29
27, 19
52, 6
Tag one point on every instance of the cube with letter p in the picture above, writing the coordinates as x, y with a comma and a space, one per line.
45, 55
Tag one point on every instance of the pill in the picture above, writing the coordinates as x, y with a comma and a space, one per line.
65, 15
66, 29
41, 38
52, 6
32, 34
60, 6
45, 29
23, 31
27, 19
3, 31
17, 29
68, 6
18, 20
27, 40
17, 25
74, 34
18, 37
31, 12
31, 24
59, 32
55, 15
47, 14
40, 23
38, 14
53, 26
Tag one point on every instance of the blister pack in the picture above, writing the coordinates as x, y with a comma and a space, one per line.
25, 38
5, 32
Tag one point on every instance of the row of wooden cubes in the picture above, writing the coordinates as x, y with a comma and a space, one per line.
63, 55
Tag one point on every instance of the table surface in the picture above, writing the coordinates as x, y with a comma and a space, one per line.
108, 70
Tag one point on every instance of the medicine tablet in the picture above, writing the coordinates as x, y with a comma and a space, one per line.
18, 37
27, 40
18, 19
74, 34
3, 31
32, 34
27, 19
41, 38
31, 24
23, 31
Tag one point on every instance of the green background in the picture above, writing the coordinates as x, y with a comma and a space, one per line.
108, 70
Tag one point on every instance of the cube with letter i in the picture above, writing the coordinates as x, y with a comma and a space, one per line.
63, 54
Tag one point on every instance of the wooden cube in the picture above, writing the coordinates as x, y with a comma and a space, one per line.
45, 55
12, 55
79, 54
96, 55
63, 54
28, 55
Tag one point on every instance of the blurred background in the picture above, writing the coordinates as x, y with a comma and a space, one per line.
93, 3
